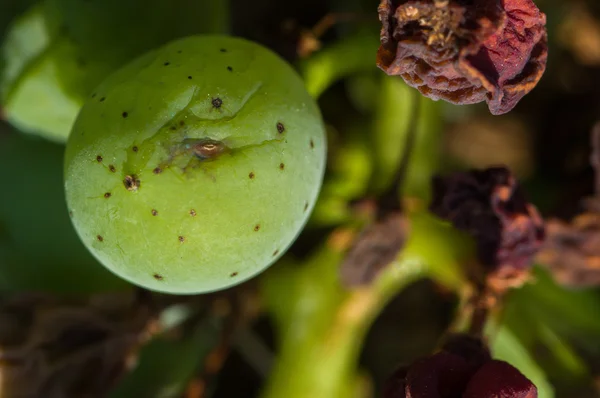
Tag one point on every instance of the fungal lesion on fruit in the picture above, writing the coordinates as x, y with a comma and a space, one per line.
131, 183
193, 153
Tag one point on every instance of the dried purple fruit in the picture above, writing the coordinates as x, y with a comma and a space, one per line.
463, 368
465, 52
499, 379
491, 206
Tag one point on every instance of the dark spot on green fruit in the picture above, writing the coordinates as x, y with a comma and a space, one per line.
134, 149
281, 166
112, 168
223, 50
189, 77
158, 277
70, 214
131, 182
181, 238
257, 227
230, 69
157, 170
173, 128
100, 238
167, 64
181, 123
280, 128
125, 114
233, 274
94, 95
312, 144
276, 252
251, 175
154, 212
305, 206
193, 213
99, 159
179, 51
102, 99
217, 102
107, 195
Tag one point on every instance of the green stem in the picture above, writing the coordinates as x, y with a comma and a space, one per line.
322, 325
345, 58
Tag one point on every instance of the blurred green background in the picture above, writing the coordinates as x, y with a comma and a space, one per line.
65, 320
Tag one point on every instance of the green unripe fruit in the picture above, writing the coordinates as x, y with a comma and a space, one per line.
195, 167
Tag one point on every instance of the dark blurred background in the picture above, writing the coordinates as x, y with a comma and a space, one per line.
545, 140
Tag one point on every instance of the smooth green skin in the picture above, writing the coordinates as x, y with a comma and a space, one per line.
60, 50
250, 203
39, 249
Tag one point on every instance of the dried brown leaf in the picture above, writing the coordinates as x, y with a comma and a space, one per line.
374, 249
572, 251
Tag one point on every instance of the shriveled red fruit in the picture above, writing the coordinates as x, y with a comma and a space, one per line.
465, 52
462, 369
499, 379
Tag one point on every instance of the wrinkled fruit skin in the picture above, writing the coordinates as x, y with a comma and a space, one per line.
491, 206
459, 371
465, 52
194, 167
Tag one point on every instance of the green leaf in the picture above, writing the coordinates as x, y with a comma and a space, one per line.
567, 312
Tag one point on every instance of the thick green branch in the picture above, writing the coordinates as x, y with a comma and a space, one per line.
322, 325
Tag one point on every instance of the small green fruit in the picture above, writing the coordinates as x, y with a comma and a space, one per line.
195, 167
